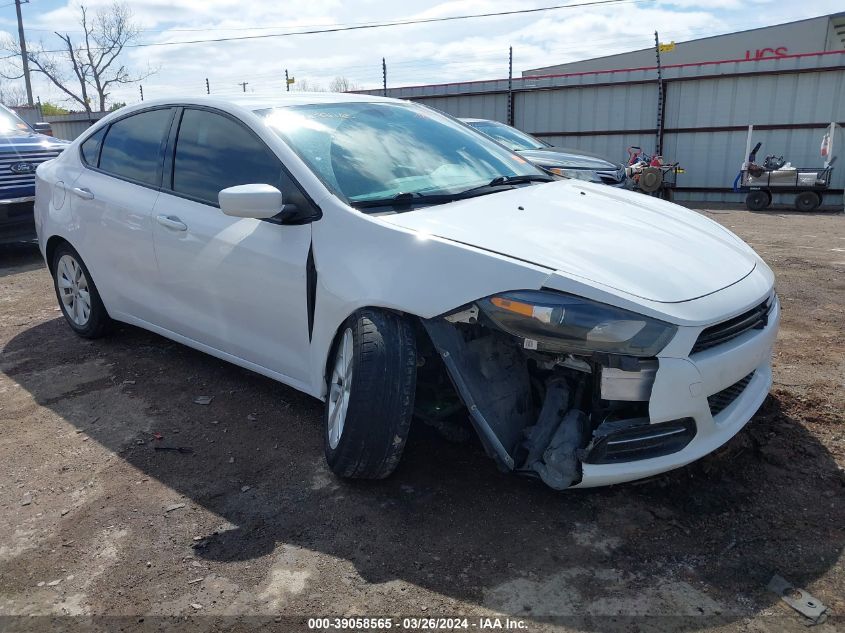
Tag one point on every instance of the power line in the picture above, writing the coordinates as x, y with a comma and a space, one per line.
339, 29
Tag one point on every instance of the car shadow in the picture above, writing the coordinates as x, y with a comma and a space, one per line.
688, 543
19, 258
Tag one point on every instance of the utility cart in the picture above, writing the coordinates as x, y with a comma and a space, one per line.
808, 183
776, 175
651, 175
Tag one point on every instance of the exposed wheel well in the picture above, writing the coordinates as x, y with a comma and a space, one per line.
419, 333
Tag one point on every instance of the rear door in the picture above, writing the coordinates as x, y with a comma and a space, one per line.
237, 285
112, 202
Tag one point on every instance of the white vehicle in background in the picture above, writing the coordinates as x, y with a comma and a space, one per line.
380, 256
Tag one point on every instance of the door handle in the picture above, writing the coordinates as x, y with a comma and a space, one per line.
172, 222
83, 193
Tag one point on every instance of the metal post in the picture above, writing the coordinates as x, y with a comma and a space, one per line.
141, 88
510, 85
24, 57
207, 87
658, 142
383, 77
287, 81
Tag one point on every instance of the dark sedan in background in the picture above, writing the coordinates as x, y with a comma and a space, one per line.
562, 161
22, 149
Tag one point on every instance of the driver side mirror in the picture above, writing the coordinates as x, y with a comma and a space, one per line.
42, 127
251, 201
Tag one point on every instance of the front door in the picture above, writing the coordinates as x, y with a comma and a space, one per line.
237, 285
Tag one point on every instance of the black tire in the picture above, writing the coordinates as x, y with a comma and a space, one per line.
98, 322
758, 200
380, 399
807, 201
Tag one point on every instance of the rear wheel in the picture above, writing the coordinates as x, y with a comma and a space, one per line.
78, 297
370, 395
807, 201
758, 200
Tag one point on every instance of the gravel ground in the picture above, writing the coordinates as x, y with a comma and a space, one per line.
250, 530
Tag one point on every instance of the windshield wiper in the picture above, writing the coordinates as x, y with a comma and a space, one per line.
404, 199
515, 180
408, 199
502, 183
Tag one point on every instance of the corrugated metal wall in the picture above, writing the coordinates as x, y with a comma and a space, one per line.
708, 108
69, 126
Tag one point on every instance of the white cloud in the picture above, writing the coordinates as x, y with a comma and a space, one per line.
426, 53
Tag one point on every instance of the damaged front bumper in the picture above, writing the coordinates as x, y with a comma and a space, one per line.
720, 389
584, 421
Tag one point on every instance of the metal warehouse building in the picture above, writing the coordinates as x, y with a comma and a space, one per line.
786, 80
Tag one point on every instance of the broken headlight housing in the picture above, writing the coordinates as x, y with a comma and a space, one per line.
557, 322
578, 174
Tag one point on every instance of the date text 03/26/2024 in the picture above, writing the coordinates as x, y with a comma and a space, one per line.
417, 624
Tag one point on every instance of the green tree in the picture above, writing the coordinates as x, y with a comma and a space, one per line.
51, 109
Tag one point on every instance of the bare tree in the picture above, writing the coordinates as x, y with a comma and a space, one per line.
343, 84
12, 95
306, 85
87, 68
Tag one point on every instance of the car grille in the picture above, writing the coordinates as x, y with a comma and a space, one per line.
720, 401
756, 318
12, 180
642, 441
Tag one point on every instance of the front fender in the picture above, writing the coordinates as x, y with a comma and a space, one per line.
362, 261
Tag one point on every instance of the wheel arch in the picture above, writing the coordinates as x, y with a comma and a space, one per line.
415, 320
50, 249
56, 240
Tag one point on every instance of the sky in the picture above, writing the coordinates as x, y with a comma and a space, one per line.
416, 54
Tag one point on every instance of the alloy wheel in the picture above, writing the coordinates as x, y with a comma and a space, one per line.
340, 388
73, 290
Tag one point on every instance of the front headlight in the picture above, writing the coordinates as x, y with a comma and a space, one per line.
557, 322
580, 174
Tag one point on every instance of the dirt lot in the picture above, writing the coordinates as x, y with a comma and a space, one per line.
250, 529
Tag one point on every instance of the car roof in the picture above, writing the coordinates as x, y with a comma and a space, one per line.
262, 102
468, 120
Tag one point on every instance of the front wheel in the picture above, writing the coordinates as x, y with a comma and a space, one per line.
371, 380
807, 201
78, 297
758, 200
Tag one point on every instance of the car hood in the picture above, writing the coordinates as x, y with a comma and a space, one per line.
633, 243
30, 143
563, 157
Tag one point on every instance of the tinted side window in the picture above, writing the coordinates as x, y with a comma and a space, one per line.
132, 148
214, 152
91, 147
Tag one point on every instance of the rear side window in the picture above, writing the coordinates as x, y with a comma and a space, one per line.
91, 147
133, 146
214, 152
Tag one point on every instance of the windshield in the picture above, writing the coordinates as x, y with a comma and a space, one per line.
375, 151
508, 136
11, 124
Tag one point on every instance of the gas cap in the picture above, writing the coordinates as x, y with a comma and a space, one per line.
59, 193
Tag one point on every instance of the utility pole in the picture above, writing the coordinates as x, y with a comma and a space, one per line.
141, 88
244, 84
383, 77
207, 87
24, 57
658, 141
510, 85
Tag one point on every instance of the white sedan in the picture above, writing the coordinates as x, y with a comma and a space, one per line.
387, 259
